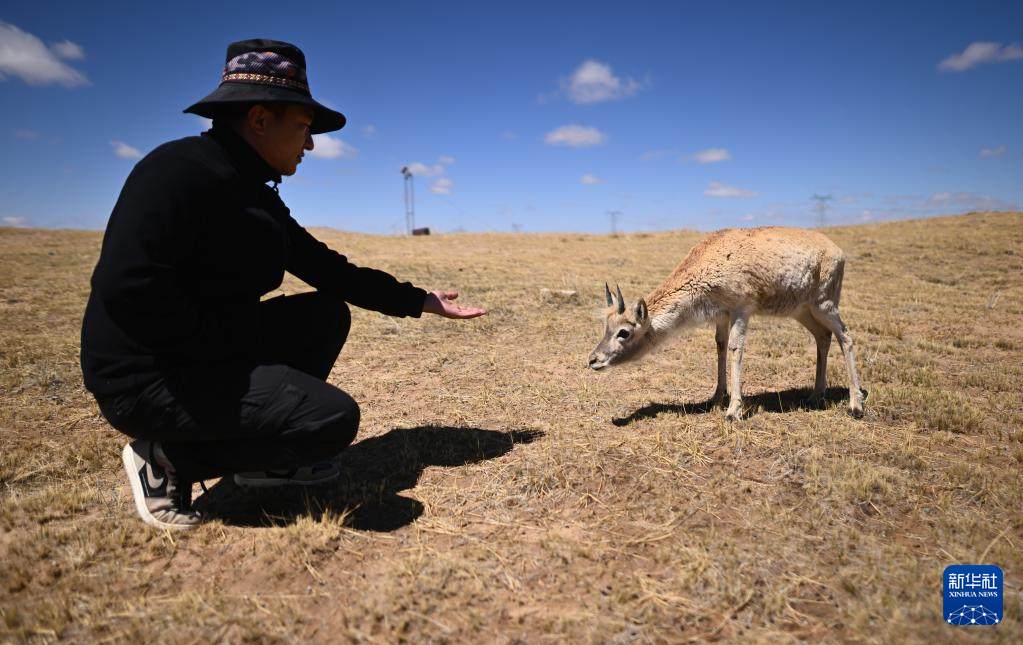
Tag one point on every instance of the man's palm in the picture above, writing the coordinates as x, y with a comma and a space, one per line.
440, 303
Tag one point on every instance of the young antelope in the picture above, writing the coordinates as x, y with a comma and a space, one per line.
725, 279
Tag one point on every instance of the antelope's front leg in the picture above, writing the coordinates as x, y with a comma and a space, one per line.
736, 346
721, 339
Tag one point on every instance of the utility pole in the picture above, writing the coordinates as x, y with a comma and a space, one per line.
410, 200
821, 207
614, 221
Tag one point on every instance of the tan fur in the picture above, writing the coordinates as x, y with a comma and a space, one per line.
730, 276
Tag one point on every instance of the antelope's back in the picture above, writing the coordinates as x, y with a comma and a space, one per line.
771, 270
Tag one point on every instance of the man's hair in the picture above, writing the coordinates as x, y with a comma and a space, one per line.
233, 114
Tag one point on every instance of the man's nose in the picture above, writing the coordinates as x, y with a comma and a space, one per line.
309, 145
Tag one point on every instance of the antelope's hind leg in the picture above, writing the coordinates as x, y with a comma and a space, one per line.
827, 315
721, 340
822, 335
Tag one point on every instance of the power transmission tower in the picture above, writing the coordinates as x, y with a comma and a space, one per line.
614, 221
821, 207
410, 200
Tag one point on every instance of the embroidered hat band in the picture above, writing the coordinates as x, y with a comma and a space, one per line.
265, 67
265, 71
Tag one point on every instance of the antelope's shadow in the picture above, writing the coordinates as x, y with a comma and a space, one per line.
784, 401
373, 472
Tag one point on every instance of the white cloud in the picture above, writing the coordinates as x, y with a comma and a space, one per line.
591, 180
204, 123
748, 217
966, 201
422, 170
26, 134
122, 149
594, 82
68, 50
12, 220
370, 131
576, 136
866, 216
508, 135
25, 56
328, 147
710, 155
979, 53
442, 186
903, 206
993, 152
717, 189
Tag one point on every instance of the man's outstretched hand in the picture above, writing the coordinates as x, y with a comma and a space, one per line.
439, 302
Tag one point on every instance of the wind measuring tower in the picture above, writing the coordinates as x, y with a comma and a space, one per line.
410, 200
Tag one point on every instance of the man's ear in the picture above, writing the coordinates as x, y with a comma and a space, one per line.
257, 118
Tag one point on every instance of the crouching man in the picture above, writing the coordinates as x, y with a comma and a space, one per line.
177, 346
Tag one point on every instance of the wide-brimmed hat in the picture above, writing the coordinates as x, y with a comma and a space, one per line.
266, 71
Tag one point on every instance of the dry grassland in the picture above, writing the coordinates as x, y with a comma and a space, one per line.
500, 492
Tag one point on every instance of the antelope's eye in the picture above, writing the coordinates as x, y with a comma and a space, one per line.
623, 334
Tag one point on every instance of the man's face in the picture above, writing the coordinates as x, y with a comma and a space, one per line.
282, 141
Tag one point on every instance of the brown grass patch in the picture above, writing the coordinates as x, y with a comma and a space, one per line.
499, 491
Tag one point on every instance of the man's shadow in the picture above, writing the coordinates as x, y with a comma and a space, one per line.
373, 472
785, 401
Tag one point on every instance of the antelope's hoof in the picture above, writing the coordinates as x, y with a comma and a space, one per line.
856, 404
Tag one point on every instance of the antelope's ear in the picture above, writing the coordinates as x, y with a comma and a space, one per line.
641, 312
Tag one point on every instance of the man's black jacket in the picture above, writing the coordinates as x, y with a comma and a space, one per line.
194, 241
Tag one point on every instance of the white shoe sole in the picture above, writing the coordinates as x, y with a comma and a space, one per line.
128, 457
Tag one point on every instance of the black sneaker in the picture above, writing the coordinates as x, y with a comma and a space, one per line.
314, 475
161, 498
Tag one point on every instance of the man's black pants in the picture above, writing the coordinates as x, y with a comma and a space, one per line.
273, 412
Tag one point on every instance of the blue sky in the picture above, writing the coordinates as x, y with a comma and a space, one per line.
542, 116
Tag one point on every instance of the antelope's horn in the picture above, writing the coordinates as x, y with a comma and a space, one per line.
607, 292
621, 300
